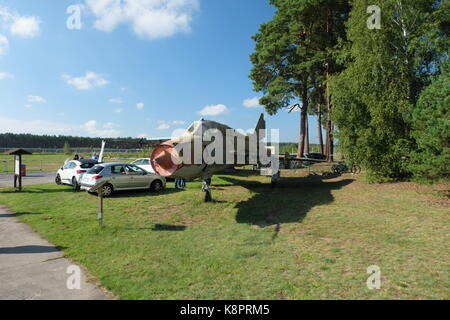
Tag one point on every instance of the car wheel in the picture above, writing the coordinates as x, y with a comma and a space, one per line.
107, 190
75, 184
58, 179
156, 186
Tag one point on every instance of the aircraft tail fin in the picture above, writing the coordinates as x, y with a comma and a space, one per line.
261, 123
102, 151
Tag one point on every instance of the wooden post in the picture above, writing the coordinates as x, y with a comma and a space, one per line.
20, 172
100, 208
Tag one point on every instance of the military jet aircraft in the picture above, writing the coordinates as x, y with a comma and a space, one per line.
208, 147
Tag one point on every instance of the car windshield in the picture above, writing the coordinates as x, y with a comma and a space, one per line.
96, 169
133, 169
87, 165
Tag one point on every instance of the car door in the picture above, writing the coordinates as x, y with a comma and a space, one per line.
119, 177
147, 166
66, 172
138, 177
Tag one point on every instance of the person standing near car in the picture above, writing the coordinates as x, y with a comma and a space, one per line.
180, 184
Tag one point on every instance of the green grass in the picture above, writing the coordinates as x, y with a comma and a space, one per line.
307, 239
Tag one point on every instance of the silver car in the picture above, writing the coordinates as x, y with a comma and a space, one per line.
121, 176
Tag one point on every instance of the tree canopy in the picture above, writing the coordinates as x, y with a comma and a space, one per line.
373, 83
388, 68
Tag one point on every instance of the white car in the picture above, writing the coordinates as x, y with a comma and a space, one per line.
144, 163
72, 172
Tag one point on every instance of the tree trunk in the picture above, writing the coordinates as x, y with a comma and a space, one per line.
307, 135
303, 118
329, 142
329, 105
319, 127
330, 148
331, 139
301, 143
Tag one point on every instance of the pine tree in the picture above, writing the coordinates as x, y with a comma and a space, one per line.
431, 129
294, 52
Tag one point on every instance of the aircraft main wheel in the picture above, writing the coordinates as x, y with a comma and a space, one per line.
156, 186
208, 197
58, 179
107, 190
75, 184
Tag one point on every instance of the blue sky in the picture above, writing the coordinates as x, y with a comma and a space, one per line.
140, 69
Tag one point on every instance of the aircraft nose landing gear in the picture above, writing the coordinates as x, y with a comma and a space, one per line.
207, 190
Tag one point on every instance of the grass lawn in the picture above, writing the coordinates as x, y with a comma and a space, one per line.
307, 239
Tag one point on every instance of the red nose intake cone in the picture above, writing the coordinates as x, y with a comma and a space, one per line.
164, 160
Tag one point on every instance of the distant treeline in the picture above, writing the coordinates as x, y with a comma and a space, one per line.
11, 140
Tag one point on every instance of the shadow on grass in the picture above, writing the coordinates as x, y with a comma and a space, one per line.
138, 193
240, 172
30, 249
11, 215
35, 191
290, 201
167, 227
160, 227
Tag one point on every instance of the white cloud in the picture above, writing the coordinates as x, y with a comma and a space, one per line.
36, 99
140, 105
252, 103
90, 128
108, 130
6, 75
110, 125
20, 25
151, 19
214, 110
28, 106
87, 82
25, 26
164, 125
119, 110
4, 44
143, 136
116, 100
35, 127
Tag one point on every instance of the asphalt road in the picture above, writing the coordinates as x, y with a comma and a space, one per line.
31, 268
7, 179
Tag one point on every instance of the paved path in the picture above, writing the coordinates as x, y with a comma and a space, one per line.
7, 179
32, 268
